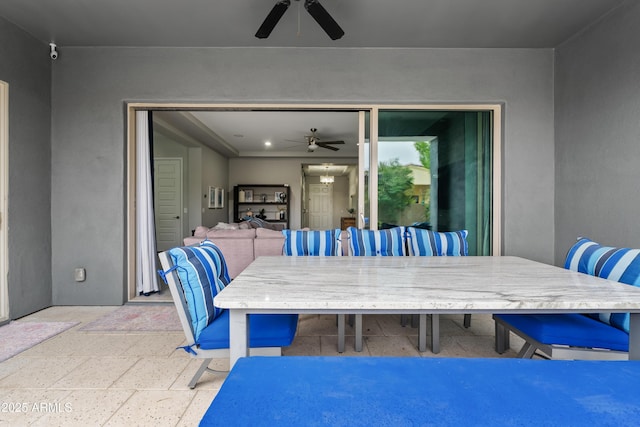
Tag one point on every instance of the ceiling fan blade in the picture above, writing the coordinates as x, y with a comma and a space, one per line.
272, 19
328, 147
322, 17
330, 142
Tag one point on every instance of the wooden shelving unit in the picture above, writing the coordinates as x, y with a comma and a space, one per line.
273, 198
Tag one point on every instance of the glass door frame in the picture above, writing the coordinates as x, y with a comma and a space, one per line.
496, 145
371, 108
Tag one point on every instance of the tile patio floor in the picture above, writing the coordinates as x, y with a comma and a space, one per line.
124, 379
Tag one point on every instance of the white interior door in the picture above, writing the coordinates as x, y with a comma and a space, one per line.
320, 206
167, 202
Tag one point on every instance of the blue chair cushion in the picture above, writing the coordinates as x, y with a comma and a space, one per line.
202, 273
312, 242
568, 329
265, 330
388, 242
221, 264
617, 264
432, 243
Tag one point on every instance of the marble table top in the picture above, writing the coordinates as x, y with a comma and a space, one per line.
421, 284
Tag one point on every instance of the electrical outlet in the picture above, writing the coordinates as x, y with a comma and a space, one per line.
80, 274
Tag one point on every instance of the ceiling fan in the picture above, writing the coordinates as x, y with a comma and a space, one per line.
315, 9
314, 142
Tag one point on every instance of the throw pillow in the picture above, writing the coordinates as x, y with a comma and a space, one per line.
432, 243
200, 270
259, 223
312, 242
618, 264
389, 242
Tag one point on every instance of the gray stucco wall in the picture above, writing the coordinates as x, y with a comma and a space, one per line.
598, 132
26, 67
90, 86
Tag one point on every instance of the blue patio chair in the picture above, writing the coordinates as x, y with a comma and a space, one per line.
195, 274
388, 242
424, 242
316, 243
571, 335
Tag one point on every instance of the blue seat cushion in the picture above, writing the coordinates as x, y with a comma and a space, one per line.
388, 242
311, 242
572, 329
432, 243
265, 330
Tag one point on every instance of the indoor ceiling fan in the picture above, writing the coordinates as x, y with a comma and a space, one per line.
315, 9
314, 142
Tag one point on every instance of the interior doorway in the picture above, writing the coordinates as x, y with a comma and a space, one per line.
329, 194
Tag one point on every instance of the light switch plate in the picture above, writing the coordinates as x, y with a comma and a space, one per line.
80, 274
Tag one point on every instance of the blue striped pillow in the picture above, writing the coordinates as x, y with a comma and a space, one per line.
618, 264
389, 242
220, 262
311, 242
431, 243
202, 273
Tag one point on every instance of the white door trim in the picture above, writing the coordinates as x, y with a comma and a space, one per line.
4, 200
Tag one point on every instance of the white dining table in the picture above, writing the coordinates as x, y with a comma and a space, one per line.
417, 285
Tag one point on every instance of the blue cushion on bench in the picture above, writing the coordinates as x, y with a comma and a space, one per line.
265, 330
568, 329
423, 391
617, 264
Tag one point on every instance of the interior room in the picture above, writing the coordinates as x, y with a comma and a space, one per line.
556, 78
258, 137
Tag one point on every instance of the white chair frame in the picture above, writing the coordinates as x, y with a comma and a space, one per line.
550, 351
173, 281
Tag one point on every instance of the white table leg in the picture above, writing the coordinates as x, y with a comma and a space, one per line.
238, 335
634, 336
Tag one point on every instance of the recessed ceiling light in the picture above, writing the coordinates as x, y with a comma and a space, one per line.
267, 143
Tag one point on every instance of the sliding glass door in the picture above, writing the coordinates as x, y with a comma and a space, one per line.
434, 170
431, 166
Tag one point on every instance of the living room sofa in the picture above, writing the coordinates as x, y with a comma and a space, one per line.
240, 246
